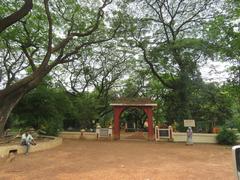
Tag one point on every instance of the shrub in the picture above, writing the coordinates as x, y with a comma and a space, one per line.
227, 137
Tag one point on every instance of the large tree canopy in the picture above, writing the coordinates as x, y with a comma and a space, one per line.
133, 48
170, 37
5, 22
56, 32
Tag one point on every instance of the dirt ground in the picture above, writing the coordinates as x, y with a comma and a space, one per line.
122, 160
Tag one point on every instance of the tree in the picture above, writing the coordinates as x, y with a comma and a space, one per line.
45, 43
223, 31
86, 105
16, 16
101, 68
42, 108
169, 34
134, 116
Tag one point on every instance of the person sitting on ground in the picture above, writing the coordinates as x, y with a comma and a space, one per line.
27, 140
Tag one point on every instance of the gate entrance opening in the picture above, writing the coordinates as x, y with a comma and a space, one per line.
133, 124
121, 104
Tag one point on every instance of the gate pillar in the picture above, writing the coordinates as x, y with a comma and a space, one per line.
117, 110
149, 112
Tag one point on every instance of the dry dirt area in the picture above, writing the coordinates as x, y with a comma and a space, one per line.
123, 160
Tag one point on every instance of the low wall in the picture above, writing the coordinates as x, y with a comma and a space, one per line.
177, 136
78, 135
56, 141
197, 137
70, 135
91, 135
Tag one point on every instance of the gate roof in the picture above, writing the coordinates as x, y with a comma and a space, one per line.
133, 102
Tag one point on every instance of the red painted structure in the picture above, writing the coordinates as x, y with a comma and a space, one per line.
119, 107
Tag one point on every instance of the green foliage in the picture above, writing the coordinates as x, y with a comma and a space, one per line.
86, 105
224, 33
227, 137
52, 109
214, 28
213, 105
210, 105
42, 108
134, 115
175, 60
106, 121
52, 126
233, 93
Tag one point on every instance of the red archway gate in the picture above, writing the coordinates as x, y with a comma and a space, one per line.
118, 107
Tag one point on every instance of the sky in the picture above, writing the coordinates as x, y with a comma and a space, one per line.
215, 71
211, 72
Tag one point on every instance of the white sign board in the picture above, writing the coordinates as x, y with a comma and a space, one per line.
189, 123
103, 132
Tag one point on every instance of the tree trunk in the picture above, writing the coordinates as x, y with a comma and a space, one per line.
10, 96
183, 85
183, 95
6, 106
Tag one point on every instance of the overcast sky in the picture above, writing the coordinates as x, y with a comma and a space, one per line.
215, 71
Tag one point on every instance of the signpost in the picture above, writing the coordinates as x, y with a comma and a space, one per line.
164, 133
189, 123
103, 132
161, 133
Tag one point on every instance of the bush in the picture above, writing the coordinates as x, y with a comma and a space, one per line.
52, 126
227, 137
43, 108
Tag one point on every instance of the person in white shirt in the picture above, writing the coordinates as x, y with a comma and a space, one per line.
189, 136
27, 140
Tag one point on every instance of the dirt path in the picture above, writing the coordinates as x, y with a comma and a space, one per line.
123, 160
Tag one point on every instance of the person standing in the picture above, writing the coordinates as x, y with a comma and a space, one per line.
189, 136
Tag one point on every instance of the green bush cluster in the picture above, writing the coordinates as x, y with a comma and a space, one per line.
52, 110
226, 137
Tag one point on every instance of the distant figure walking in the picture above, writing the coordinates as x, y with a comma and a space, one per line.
189, 136
27, 140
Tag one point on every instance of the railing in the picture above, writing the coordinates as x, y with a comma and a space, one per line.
163, 133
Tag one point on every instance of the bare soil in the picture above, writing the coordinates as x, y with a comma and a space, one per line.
122, 160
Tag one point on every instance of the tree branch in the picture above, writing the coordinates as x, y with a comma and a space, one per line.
16, 16
88, 32
153, 69
50, 35
64, 59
